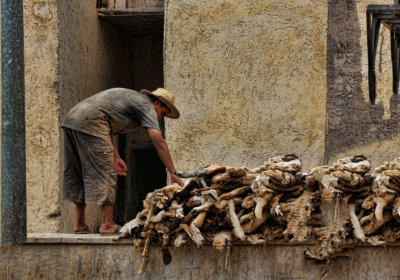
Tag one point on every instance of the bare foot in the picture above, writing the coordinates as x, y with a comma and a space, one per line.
80, 227
108, 228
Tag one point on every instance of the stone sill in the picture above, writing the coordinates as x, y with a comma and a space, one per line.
70, 238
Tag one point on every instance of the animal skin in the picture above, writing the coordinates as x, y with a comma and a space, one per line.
224, 205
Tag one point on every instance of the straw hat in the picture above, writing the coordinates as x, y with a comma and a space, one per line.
167, 98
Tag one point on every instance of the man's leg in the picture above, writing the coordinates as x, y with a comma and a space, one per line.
73, 190
80, 222
100, 177
107, 223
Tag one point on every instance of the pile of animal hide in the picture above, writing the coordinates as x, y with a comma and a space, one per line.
335, 206
222, 205
386, 188
362, 204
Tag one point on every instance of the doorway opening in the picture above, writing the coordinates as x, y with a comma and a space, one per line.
146, 172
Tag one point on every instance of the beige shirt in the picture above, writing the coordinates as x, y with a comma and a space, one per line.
113, 111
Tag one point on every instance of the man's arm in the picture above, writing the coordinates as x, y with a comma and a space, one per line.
163, 152
120, 165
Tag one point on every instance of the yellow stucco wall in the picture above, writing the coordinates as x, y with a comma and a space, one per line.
250, 80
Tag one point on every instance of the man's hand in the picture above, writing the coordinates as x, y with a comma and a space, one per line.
175, 179
120, 166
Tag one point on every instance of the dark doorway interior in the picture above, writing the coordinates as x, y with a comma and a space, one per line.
146, 172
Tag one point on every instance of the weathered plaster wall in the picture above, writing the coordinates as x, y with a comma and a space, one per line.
80, 261
94, 56
92, 53
42, 115
250, 80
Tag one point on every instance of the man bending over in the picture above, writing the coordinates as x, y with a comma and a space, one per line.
91, 160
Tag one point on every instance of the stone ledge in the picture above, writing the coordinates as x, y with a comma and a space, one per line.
70, 238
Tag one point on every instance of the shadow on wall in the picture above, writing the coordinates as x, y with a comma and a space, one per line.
352, 122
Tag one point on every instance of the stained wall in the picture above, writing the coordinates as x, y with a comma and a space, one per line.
250, 80
42, 103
